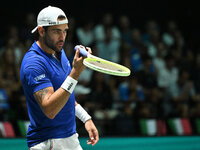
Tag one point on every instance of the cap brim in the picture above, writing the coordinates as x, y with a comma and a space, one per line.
34, 29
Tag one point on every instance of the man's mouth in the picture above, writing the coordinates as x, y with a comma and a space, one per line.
60, 43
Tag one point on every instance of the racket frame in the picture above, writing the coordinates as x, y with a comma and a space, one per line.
125, 70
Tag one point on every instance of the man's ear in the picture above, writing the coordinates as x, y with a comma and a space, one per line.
41, 31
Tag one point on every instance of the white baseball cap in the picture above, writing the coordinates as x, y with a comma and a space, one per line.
48, 17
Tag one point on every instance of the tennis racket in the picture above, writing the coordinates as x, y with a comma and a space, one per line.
102, 65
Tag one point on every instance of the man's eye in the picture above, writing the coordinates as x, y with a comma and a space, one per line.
56, 31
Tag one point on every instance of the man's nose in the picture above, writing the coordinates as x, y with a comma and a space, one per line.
62, 36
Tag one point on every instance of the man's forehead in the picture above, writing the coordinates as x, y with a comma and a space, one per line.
60, 27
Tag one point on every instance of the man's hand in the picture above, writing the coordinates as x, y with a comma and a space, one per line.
92, 131
78, 66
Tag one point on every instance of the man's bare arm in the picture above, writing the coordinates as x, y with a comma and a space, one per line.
51, 102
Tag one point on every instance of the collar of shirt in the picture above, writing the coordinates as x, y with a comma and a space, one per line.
42, 52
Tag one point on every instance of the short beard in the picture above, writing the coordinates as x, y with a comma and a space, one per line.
49, 43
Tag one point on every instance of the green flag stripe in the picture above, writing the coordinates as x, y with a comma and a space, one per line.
198, 125
172, 126
22, 128
143, 126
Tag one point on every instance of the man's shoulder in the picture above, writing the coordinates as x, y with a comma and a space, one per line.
32, 60
33, 56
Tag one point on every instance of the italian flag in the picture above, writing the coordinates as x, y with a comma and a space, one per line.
152, 127
180, 126
6, 130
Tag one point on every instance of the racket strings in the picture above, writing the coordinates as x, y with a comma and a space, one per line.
106, 65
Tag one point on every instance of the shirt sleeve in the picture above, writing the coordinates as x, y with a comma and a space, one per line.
36, 77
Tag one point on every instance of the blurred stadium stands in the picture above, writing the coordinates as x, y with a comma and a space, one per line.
159, 41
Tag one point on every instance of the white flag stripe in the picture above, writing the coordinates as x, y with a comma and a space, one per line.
178, 126
2, 129
26, 124
151, 127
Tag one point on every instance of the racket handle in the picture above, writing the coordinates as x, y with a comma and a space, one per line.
82, 50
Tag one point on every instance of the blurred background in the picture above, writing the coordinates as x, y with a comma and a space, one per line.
157, 40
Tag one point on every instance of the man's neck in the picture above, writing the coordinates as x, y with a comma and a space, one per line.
45, 48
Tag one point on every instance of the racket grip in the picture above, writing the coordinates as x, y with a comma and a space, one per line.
82, 50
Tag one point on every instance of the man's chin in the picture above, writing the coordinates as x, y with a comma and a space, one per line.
58, 49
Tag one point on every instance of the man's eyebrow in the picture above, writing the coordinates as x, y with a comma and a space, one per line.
55, 29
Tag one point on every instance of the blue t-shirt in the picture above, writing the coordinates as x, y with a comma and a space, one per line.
38, 71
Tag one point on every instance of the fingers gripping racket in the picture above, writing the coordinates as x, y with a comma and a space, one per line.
102, 65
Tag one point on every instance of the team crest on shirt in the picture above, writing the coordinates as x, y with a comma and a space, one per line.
39, 77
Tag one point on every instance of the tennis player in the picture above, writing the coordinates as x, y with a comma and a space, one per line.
48, 83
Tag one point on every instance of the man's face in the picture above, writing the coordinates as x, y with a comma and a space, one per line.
55, 36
